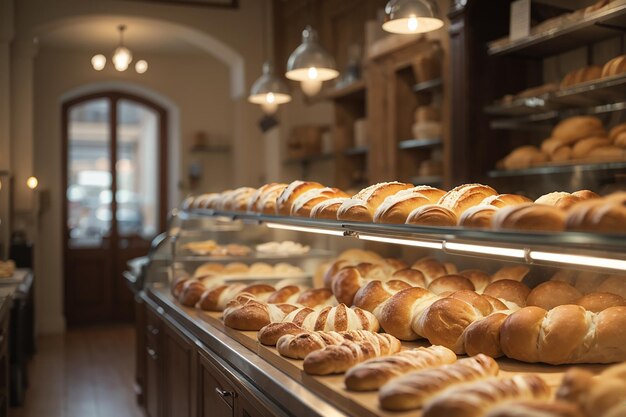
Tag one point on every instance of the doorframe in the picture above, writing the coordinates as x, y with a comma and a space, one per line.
114, 97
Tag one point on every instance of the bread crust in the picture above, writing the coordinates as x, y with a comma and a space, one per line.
289, 194
550, 294
432, 215
509, 290
465, 196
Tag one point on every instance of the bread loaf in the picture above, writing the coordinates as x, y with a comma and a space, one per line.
304, 204
573, 129
480, 279
372, 295
601, 215
206, 201
524, 157
530, 217
216, 298
248, 314
512, 293
396, 314
450, 283
615, 66
565, 334
413, 277
237, 200
465, 196
483, 335
348, 280
558, 199
288, 196
374, 373
515, 273
617, 130
535, 409
583, 147
298, 346
191, 292
328, 209
264, 199
336, 359
505, 200
478, 217
316, 298
599, 301
431, 268
413, 390
361, 206
432, 215
550, 294
397, 207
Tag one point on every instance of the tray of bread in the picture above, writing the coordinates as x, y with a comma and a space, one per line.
388, 337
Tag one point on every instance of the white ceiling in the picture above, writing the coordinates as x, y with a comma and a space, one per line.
100, 34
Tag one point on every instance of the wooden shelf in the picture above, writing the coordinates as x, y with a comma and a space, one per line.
426, 180
427, 86
559, 169
210, 149
354, 90
596, 26
359, 150
419, 143
309, 159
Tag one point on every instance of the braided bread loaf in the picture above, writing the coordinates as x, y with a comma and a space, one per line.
474, 400
338, 318
298, 346
216, 298
244, 313
374, 373
336, 359
414, 389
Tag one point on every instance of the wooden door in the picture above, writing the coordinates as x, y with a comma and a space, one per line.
114, 159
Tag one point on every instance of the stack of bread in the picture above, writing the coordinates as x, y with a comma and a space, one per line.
578, 139
468, 205
427, 123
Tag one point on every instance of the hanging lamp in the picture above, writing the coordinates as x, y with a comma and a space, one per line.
269, 91
310, 63
411, 16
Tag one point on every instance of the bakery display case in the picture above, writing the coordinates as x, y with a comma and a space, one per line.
478, 290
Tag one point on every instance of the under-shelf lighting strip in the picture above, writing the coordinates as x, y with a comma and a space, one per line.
525, 254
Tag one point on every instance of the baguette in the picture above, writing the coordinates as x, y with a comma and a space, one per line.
299, 345
411, 391
474, 400
535, 409
374, 373
336, 359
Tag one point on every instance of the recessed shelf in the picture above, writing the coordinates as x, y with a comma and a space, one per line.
428, 85
559, 169
418, 143
596, 26
358, 150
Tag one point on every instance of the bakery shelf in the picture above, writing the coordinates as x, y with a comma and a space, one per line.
541, 121
559, 169
210, 149
254, 257
428, 85
591, 93
596, 26
584, 250
359, 150
426, 180
418, 143
309, 159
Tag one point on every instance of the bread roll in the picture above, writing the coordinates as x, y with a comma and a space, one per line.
552, 144
237, 200
550, 294
565, 334
397, 207
413, 390
598, 301
480, 279
606, 153
299, 345
264, 199
531, 217
372, 295
349, 279
191, 292
288, 196
431, 268
327, 209
432, 215
398, 313
585, 194
564, 153
304, 204
600, 215
474, 400
620, 140
582, 148
316, 298
513, 293
361, 206
615, 66
573, 129
515, 273
524, 157
206, 201
450, 283
374, 373
535, 409
335, 359
465, 196
558, 199
505, 200
483, 335
249, 314
614, 284
478, 217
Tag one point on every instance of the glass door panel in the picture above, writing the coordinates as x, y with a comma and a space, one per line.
89, 175
137, 173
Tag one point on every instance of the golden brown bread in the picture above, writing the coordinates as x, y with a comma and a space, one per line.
327, 209
431, 268
531, 217
483, 335
432, 215
558, 199
535, 409
413, 390
450, 283
565, 334
616, 131
480, 279
348, 280
191, 292
374, 373
552, 145
465, 196
244, 313
615, 66
478, 217
620, 140
264, 199
299, 345
288, 196
509, 291
515, 273
336, 359
504, 200
573, 129
237, 200
361, 206
524, 157
583, 147
564, 153
598, 301
550, 294
372, 295
474, 400
304, 204
606, 153
397, 207
614, 284
398, 313
600, 215
581, 75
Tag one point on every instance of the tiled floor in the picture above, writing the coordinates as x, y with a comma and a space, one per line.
86, 372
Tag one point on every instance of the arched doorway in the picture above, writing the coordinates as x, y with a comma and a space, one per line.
115, 183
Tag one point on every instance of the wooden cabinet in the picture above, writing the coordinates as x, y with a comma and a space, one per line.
179, 354
216, 394
152, 377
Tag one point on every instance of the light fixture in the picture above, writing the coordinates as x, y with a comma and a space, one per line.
411, 16
581, 260
269, 91
121, 59
318, 230
32, 182
399, 241
310, 63
141, 66
98, 62
485, 250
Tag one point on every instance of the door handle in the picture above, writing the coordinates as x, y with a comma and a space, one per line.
153, 330
225, 394
152, 353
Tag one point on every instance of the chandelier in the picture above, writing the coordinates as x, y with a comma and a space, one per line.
121, 59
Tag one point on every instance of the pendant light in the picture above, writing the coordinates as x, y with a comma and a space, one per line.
269, 91
122, 57
412, 16
310, 63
